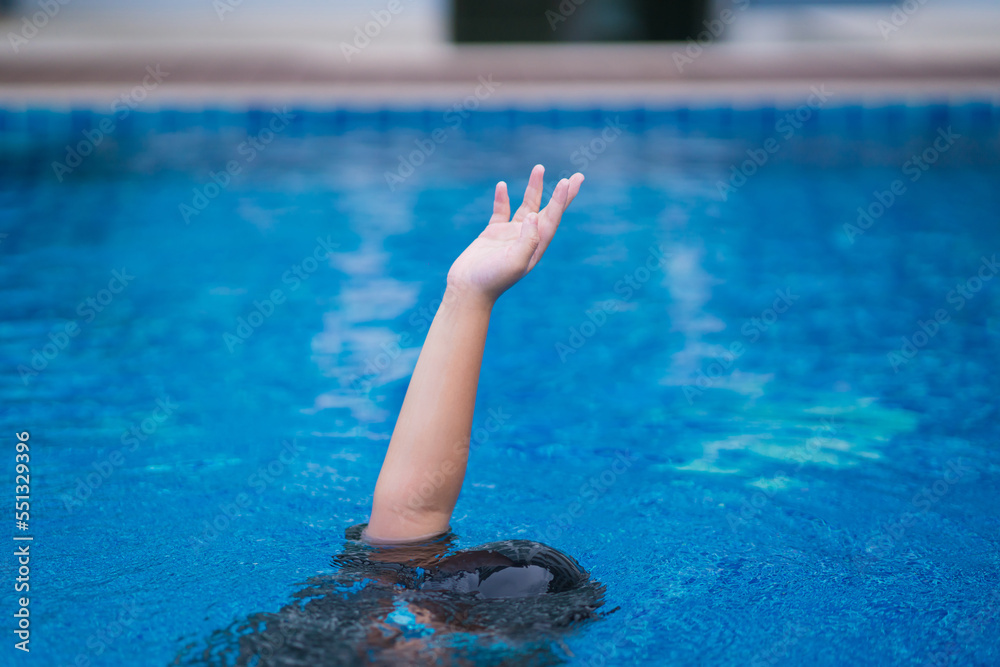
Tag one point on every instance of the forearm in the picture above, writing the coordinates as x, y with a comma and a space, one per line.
425, 465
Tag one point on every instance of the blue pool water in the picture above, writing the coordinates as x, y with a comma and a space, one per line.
704, 393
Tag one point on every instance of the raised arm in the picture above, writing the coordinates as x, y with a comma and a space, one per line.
425, 465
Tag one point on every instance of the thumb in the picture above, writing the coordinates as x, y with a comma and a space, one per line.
528, 241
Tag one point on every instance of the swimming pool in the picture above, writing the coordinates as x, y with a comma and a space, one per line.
753, 391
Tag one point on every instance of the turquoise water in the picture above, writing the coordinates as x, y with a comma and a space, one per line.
764, 421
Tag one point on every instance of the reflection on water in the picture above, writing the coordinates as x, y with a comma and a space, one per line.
690, 288
355, 348
831, 429
837, 431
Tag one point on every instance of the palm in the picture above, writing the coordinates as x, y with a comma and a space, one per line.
510, 247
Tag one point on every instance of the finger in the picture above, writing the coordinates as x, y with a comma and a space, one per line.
501, 204
527, 242
575, 181
557, 203
532, 194
549, 220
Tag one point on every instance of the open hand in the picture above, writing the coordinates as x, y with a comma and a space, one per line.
510, 247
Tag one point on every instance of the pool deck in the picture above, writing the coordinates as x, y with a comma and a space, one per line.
74, 64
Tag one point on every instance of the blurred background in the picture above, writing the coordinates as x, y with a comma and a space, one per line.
407, 42
518, 20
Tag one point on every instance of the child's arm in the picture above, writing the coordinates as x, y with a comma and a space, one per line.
425, 465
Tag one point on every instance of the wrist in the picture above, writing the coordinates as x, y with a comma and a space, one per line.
461, 296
